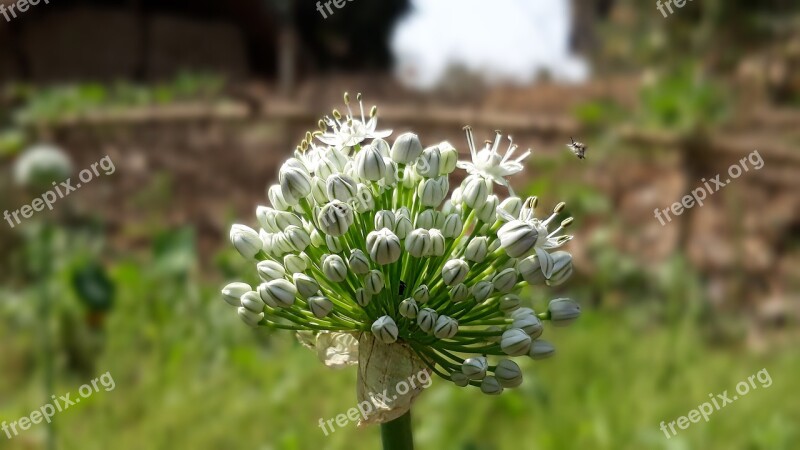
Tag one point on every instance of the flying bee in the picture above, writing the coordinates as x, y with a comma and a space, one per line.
578, 148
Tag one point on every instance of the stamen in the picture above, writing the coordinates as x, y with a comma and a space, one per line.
470, 140
497, 137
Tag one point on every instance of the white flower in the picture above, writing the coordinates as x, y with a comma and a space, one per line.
489, 164
406, 148
348, 131
246, 240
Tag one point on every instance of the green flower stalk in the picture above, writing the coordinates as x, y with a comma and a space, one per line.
363, 254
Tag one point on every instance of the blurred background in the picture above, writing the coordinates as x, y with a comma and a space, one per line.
198, 102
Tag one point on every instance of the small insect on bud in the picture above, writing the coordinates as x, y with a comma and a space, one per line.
509, 303
334, 268
562, 268
252, 302
406, 149
270, 270
403, 227
449, 158
233, 292
506, 280
408, 308
384, 247
445, 328
510, 206
374, 282
530, 324
475, 368
336, 218
515, 342
384, 219
246, 240
453, 226
385, 330
426, 319
306, 286
508, 373
429, 162
438, 242
248, 317
490, 386
541, 350
358, 262
278, 292
563, 311
482, 290
518, 238
369, 164
459, 293
421, 294
320, 306
362, 297
294, 264
418, 243
459, 379
531, 270
455, 271
474, 191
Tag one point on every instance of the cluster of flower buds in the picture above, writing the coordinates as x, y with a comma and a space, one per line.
361, 237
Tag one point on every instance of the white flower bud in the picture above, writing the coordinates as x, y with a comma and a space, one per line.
482, 290
335, 218
338, 158
341, 187
403, 227
374, 282
508, 373
426, 319
430, 193
246, 240
325, 168
319, 191
320, 306
402, 212
294, 264
475, 368
505, 281
306, 286
297, 238
316, 239
454, 271
518, 238
474, 191
266, 218
358, 262
529, 324
248, 317
411, 178
477, 249
426, 219
383, 246
408, 308
421, 294
276, 198
280, 292
541, 350
459, 293
563, 311
522, 312
490, 386
284, 219
365, 200
531, 270
509, 303
406, 149
453, 226
385, 330
362, 297
437, 242
445, 328
486, 212
515, 342
391, 173
459, 379
270, 270
511, 206
369, 164
334, 268
449, 158
429, 162
562, 268
252, 302
457, 196
334, 244
295, 184
418, 243
384, 219
233, 292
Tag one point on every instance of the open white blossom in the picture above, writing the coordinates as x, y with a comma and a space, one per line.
348, 131
490, 164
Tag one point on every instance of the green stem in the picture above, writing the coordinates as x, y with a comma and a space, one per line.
396, 434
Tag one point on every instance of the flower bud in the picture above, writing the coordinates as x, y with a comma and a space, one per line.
266, 218
509, 303
297, 238
494, 338
403, 227
246, 241
531, 270
276, 198
518, 238
457, 196
522, 312
384, 219
363, 297
429, 162
383, 246
508, 373
563, 311
505, 281
562, 268
408, 308
341, 187
385, 330
294, 264
279, 292
334, 244
477, 249
490, 386
295, 184
430, 193
252, 302
454, 271
334, 268
474, 191
459, 379
381, 146
283, 219
426, 219
306, 286
365, 200
453, 226
475, 368
320, 306
335, 218
358, 262
531, 325
250, 318
449, 158
459, 293
515, 342
486, 212
406, 148
369, 164
426, 319
325, 167
391, 173
418, 243
445, 328
316, 239
233, 292
482, 290
511, 207
421, 294
374, 282
411, 178
437, 242
270, 270
402, 212
541, 350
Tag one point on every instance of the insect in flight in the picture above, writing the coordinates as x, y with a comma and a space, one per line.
578, 148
